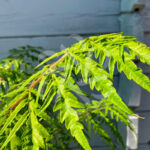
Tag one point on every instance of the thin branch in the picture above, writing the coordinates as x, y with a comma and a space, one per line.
16, 104
57, 62
35, 83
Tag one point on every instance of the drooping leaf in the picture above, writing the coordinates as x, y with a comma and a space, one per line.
15, 129
49, 58
12, 116
38, 131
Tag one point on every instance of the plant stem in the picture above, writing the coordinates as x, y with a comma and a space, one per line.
17, 102
35, 83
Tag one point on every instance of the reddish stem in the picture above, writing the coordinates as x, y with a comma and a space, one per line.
35, 83
16, 104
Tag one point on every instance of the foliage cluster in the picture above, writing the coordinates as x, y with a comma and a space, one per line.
40, 108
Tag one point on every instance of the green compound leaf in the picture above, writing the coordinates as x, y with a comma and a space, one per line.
38, 131
12, 116
15, 129
51, 115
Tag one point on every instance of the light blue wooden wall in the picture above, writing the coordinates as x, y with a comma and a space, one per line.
144, 109
48, 23
146, 22
49, 17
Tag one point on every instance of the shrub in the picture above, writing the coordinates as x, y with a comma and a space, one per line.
41, 109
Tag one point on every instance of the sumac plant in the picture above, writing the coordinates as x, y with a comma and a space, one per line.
42, 109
